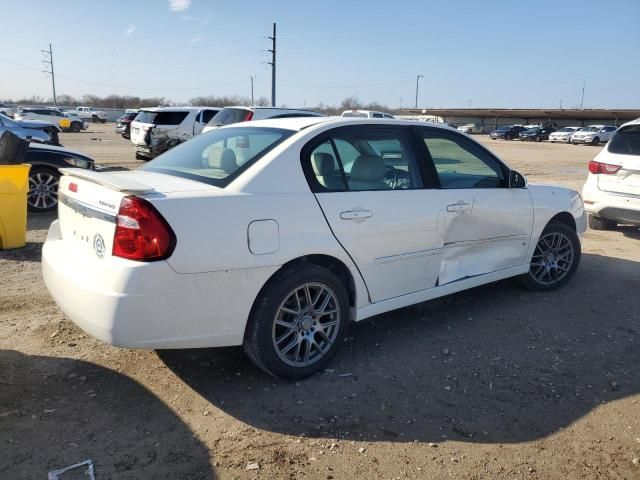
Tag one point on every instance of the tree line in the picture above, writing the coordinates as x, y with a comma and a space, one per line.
129, 101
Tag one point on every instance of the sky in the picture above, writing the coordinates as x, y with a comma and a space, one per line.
503, 54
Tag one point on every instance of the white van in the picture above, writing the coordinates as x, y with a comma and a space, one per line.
156, 130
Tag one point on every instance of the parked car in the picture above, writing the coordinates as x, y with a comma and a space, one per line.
156, 130
507, 132
365, 114
536, 134
563, 135
612, 190
6, 110
594, 134
32, 130
229, 115
68, 122
277, 234
89, 114
123, 125
470, 128
46, 162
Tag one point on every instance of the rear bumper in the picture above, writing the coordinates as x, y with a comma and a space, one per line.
612, 206
149, 305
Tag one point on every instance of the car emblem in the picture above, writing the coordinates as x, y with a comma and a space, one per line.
98, 245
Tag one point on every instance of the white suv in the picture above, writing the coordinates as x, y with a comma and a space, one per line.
594, 134
612, 191
156, 130
238, 114
365, 114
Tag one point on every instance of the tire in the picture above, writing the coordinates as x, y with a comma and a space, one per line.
595, 141
140, 157
95, 119
276, 317
103, 120
599, 223
538, 139
43, 189
76, 127
555, 258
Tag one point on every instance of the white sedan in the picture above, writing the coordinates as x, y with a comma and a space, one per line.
563, 135
276, 234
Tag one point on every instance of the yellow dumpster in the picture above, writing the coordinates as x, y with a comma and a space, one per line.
14, 186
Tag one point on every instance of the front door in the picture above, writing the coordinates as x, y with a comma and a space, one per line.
487, 224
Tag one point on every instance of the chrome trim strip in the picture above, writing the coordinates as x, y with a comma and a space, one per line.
468, 243
86, 209
407, 256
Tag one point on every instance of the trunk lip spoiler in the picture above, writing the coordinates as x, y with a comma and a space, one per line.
109, 180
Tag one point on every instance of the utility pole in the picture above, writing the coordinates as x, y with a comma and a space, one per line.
49, 70
584, 84
417, 83
273, 66
252, 90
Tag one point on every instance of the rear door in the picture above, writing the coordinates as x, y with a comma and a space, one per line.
623, 150
370, 187
487, 225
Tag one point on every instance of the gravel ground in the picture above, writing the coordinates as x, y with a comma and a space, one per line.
495, 382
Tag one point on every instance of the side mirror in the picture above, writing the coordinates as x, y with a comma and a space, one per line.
516, 180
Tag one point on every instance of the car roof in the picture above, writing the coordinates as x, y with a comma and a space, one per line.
300, 123
174, 109
632, 122
53, 148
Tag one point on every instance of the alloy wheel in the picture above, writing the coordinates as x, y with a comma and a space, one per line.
552, 259
43, 191
306, 324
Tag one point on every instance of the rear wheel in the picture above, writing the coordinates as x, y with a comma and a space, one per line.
538, 139
555, 258
43, 189
298, 322
599, 223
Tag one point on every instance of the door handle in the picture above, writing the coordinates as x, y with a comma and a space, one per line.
458, 207
355, 215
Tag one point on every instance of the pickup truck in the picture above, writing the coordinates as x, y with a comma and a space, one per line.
89, 114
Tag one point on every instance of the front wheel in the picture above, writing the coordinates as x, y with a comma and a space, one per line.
76, 127
599, 223
555, 258
595, 141
297, 322
43, 189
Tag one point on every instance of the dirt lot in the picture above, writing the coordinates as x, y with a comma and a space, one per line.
494, 383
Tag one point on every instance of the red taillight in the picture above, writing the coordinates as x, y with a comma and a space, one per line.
141, 232
73, 187
603, 168
248, 116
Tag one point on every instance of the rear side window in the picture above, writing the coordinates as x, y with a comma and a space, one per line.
207, 115
227, 116
362, 159
626, 141
170, 118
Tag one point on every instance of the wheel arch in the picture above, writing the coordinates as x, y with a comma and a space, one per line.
565, 218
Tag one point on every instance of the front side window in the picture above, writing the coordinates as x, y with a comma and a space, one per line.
462, 164
626, 141
219, 156
361, 159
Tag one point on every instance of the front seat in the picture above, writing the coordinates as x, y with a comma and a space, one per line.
367, 173
223, 159
324, 168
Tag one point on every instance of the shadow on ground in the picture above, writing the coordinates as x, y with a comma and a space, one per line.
55, 412
494, 364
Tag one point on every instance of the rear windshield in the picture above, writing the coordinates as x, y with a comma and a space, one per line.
219, 156
227, 116
161, 118
626, 141
355, 114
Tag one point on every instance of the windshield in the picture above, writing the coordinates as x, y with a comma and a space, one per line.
227, 116
591, 129
567, 129
219, 156
355, 114
503, 129
531, 130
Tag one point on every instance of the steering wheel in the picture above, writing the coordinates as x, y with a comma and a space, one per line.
391, 177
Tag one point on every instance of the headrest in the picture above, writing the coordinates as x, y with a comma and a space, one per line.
368, 168
223, 159
323, 164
